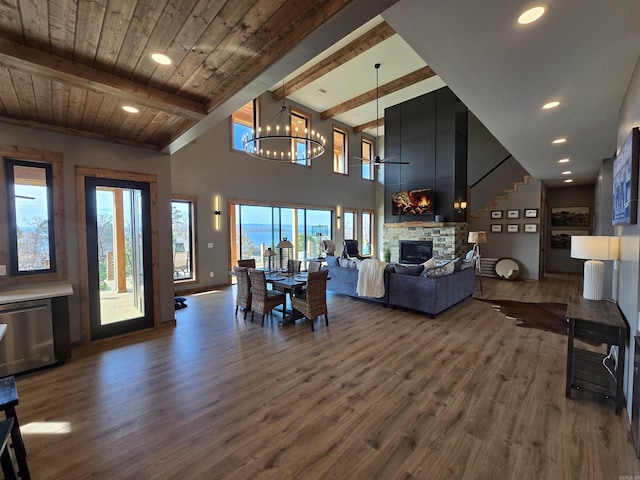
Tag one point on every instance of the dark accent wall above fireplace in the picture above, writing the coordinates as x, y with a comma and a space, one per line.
430, 132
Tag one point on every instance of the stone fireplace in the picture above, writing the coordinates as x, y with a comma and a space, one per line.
449, 239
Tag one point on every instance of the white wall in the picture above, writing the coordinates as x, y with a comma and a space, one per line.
524, 247
91, 153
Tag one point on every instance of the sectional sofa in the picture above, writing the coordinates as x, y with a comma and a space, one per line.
430, 295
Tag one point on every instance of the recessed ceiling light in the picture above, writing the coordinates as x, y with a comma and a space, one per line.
568, 172
532, 14
549, 105
568, 180
161, 58
563, 160
130, 109
559, 140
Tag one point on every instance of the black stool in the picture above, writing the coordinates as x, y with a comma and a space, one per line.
5, 458
8, 402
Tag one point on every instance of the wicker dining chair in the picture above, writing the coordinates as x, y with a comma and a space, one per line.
247, 263
262, 300
243, 294
293, 266
314, 266
312, 302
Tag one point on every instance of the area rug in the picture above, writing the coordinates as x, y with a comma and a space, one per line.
545, 316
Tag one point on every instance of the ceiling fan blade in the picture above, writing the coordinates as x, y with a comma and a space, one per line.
383, 162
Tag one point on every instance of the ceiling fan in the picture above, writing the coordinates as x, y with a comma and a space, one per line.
377, 161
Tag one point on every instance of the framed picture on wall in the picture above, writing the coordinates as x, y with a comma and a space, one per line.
530, 228
570, 217
496, 214
513, 213
530, 213
513, 228
496, 228
562, 238
625, 181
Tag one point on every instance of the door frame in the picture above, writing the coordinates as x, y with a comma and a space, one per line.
83, 260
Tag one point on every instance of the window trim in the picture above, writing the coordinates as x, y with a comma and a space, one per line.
193, 203
365, 139
302, 114
12, 224
346, 211
256, 122
345, 152
372, 215
54, 159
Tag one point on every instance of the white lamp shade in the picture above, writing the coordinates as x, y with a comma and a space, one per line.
595, 247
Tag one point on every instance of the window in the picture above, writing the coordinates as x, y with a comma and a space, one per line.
300, 122
367, 157
183, 237
259, 228
33, 242
243, 122
340, 151
367, 232
350, 224
30, 202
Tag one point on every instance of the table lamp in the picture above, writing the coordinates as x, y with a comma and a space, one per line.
477, 238
594, 249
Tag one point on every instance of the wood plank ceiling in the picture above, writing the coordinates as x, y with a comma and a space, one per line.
70, 65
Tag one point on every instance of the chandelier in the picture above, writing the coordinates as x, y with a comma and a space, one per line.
285, 138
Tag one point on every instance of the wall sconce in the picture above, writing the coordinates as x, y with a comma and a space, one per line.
460, 206
217, 212
338, 217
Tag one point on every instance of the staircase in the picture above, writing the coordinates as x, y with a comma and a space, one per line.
503, 196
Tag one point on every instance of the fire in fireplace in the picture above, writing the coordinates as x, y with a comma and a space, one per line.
415, 251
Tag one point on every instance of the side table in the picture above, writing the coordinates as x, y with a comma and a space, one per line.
597, 321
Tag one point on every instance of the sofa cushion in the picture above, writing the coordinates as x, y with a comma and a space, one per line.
414, 270
436, 272
457, 264
332, 261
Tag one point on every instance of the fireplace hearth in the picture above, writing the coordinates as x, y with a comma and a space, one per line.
415, 251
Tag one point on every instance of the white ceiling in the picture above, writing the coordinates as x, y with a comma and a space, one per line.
582, 53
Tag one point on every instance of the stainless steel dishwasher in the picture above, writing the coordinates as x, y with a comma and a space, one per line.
28, 341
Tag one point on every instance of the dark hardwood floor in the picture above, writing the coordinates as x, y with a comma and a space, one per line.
380, 393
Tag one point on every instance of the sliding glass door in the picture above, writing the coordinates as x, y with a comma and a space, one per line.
258, 228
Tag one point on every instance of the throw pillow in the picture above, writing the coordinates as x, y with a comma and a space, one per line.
466, 264
430, 263
469, 255
332, 261
344, 262
414, 270
438, 272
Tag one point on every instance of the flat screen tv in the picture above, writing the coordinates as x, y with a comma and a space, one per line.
412, 202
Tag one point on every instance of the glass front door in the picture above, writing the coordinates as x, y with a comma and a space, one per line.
119, 252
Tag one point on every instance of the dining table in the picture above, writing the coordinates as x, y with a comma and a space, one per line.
289, 283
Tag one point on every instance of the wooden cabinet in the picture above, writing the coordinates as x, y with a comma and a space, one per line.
596, 321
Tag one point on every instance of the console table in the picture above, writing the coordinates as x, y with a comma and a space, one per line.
596, 321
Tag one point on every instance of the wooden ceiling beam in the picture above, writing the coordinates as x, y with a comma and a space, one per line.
364, 42
386, 89
369, 125
57, 69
